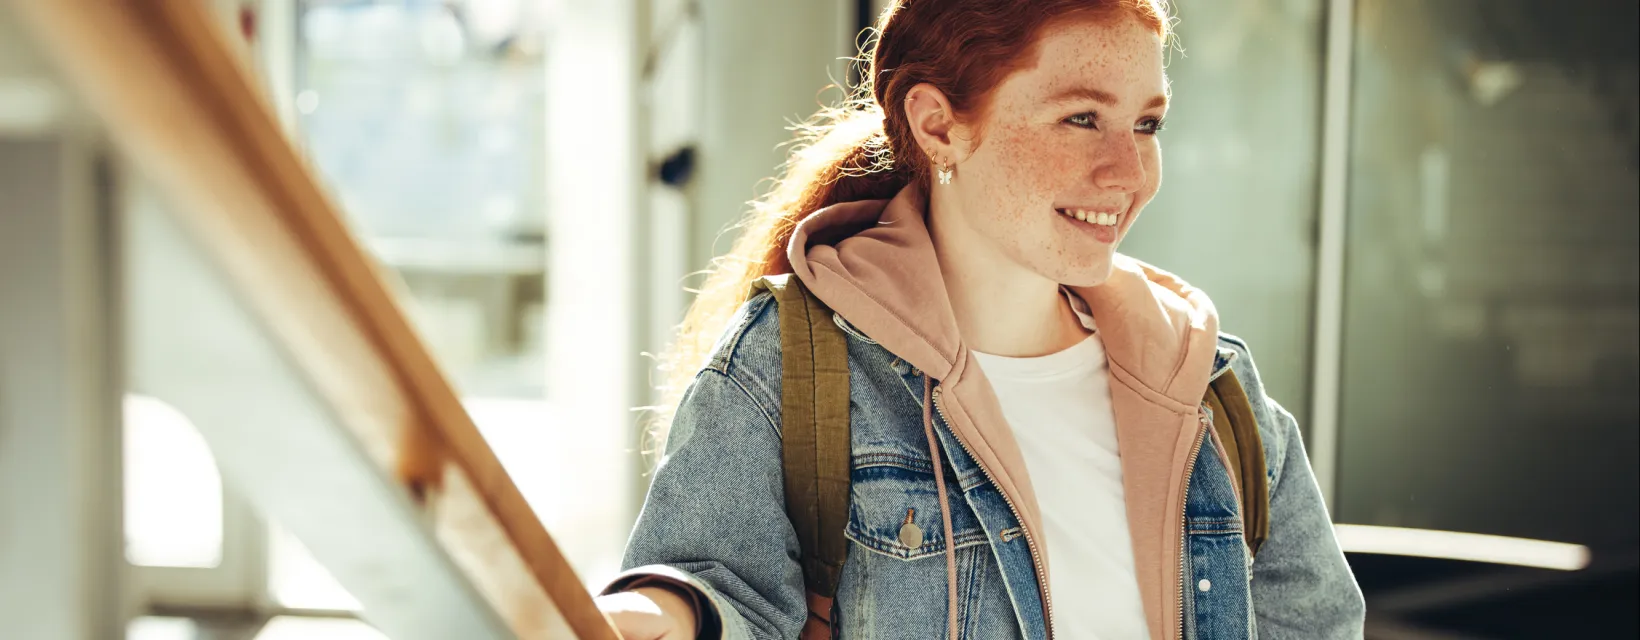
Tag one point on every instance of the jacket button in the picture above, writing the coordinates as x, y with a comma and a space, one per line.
1204, 585
911, 535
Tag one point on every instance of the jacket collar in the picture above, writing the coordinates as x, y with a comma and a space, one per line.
873, 263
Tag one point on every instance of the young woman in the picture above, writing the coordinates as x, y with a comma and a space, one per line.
1025, 396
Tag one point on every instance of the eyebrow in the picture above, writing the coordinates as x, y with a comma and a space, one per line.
1101, 97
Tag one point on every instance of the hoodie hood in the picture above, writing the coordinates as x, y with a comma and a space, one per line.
873, 262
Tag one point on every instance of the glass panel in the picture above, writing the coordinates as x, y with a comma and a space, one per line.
173, 494
1236, 212
427, 121
292, 628
1491, 353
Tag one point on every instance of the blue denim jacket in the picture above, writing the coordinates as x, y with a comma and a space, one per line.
714, 521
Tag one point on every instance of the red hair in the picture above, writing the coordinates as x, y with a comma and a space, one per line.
864, 149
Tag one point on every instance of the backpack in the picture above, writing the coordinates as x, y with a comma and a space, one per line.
816, 448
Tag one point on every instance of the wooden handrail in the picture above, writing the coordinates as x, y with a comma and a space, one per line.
183, 107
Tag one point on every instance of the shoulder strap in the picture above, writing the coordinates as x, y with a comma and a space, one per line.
1237, 431
815, 446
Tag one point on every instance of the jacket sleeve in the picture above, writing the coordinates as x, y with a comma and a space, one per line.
1302, 587
714, 522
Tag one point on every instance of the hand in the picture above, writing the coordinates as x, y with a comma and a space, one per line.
649, 614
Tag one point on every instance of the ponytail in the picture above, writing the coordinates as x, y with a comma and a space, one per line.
840, 155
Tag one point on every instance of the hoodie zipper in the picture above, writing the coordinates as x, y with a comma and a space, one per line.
1030, 541
1189, 469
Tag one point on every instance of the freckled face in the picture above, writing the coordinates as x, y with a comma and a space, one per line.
1075, 133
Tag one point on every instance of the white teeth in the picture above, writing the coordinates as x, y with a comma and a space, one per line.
1107, 219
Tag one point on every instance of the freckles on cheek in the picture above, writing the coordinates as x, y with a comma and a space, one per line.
1034, 167
1009, 186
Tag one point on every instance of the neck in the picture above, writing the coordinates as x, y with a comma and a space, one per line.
1001, 307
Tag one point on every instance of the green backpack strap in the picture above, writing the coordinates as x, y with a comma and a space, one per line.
814, 415
1237, 431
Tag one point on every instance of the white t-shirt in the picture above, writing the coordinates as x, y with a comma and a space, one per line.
1060, 409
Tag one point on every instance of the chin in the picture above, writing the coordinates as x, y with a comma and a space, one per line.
1092, 274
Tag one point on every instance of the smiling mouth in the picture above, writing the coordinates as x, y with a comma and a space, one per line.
1096, 218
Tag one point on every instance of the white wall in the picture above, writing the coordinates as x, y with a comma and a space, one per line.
727, 77
592, 285
764, 64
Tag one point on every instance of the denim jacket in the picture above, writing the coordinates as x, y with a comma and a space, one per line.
714, 522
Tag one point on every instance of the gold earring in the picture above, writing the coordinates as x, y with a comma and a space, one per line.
944, 173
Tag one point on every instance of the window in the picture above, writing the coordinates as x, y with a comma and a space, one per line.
1491, 324
1491, 327
173, 494
426, 120
1240, 173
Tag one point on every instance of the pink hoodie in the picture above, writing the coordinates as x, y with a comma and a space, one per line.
873, 262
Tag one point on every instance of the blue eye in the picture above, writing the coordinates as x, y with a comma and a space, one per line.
1088, 120
1150, 126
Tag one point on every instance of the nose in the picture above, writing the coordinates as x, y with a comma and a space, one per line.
1118, 166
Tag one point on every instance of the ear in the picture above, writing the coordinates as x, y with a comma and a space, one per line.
935, 126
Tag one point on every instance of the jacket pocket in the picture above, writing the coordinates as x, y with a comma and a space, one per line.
894, 509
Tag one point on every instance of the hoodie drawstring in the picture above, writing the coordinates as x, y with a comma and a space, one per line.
945, 505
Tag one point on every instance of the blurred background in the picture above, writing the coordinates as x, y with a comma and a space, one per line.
1432, 204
